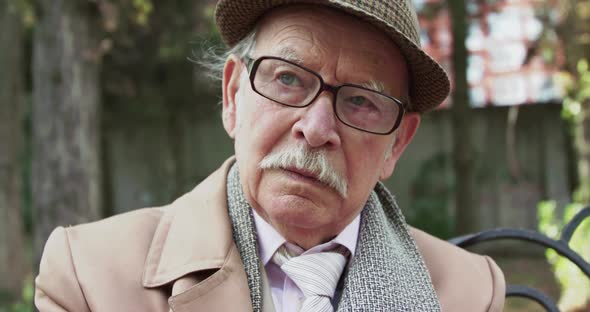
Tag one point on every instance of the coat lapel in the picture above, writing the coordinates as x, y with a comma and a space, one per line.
193, 252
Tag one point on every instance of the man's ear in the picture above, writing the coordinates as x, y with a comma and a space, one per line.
230, 87
403, 137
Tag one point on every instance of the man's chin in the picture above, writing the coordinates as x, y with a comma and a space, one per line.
294, 209
300, 221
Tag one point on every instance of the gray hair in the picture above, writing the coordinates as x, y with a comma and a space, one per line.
213, 59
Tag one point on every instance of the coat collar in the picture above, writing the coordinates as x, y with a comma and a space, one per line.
193, 252
194, 233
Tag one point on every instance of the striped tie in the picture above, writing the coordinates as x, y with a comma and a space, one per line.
315, 274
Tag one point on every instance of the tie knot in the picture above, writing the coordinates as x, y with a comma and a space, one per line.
281, 256
315, 274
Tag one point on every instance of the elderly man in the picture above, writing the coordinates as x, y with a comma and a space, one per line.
321, 99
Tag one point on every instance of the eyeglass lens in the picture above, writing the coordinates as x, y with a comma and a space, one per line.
292, 85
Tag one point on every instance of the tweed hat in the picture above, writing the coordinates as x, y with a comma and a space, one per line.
429, 84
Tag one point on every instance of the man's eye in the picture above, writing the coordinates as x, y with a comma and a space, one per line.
358, 100
289, 79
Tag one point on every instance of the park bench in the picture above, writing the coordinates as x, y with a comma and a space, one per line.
561, 246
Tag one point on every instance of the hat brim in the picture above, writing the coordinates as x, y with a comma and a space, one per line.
429, 84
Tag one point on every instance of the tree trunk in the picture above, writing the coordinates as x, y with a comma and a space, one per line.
12, 267
65, 116
466, 209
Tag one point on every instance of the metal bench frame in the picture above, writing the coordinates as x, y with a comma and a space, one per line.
561, 246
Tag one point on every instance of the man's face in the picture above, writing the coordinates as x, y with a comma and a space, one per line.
342, 50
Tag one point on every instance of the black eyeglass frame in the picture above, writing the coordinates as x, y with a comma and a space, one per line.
252, 66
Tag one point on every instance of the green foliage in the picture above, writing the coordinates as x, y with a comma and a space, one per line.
143, 10
575, 112
578, 91
24, 8
209, 17
25, 304
146, 74
575, 286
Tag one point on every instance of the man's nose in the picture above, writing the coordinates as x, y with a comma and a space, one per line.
317, 124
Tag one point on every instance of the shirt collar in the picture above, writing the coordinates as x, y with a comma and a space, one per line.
269, 240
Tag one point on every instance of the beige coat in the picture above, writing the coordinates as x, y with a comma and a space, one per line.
182, 258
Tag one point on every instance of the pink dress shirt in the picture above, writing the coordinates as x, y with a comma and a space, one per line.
287, 297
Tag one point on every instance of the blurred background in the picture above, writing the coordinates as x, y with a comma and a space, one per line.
102, 111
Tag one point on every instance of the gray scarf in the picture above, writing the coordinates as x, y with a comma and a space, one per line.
386, 273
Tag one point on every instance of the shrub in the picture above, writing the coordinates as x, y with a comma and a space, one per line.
574, 284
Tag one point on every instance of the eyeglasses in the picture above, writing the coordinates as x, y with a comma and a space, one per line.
293, 85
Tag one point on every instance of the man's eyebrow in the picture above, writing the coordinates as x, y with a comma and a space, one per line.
374, 85
289, 54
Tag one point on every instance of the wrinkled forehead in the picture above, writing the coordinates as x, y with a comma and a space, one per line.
326, 39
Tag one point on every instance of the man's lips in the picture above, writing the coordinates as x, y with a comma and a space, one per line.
303, 174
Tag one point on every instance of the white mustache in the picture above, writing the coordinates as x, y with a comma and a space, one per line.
315, 161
